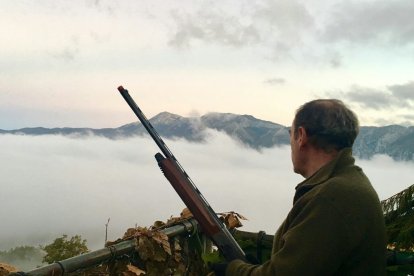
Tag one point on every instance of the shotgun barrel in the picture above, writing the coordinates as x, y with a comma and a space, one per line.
105, 254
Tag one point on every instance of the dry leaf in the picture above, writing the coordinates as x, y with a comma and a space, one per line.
162, 239
232, 219
185, 214
145, 248
160, 255
5, 269
135, 270
177, 246
158, 224
240, 216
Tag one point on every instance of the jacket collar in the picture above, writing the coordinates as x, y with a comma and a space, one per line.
343, 159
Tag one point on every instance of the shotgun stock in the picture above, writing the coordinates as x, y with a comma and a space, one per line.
186, 189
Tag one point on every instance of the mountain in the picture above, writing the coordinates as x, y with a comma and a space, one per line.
167, 125
247, 129
395, 141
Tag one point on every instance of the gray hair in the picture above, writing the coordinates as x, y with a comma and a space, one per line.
329, 124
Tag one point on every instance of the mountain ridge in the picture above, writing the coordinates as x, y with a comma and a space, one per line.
393, 140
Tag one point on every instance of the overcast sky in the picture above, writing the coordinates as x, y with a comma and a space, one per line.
61, 61
54, 185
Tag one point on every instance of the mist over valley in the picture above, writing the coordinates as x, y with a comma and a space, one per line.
53, 184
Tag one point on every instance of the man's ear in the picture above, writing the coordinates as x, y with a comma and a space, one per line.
302, 137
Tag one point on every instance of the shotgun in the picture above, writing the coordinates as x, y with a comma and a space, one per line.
210, 224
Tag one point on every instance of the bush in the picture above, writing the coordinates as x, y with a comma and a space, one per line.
63, 248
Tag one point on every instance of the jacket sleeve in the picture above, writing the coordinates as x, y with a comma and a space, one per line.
315, 244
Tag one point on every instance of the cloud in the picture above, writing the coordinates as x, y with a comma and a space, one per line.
376, 22
335, 60
409, 117
370, 98
403, 91
53, 185
296, 30
212, 26
406, 120
394, 97
68, 54
271, 23
388, 106
383, 171
275, 81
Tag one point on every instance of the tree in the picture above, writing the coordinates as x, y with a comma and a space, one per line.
62, 248
24, 257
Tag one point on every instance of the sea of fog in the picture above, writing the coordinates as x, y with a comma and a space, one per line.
54, 185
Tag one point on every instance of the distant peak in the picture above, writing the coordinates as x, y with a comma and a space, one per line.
165, 117
223, 116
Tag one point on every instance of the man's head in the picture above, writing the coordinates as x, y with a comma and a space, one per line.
320, 129
329, 124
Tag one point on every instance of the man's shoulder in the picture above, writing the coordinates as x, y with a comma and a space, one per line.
348, 180
349, 189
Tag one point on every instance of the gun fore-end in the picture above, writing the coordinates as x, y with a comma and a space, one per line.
208, 220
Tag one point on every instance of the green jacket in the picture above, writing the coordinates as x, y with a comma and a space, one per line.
335, 227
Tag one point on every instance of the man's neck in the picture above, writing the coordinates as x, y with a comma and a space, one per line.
316, 160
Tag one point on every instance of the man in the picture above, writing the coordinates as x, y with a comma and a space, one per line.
336, 225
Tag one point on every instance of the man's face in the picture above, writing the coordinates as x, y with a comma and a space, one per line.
297, 156
293, 148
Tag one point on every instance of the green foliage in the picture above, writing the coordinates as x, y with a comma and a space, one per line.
19, 252
213, 257
23, 257
248, 245
401, 233
398, 213
63, 248
400, 270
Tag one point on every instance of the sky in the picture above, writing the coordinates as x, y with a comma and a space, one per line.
61, 61
54, 185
